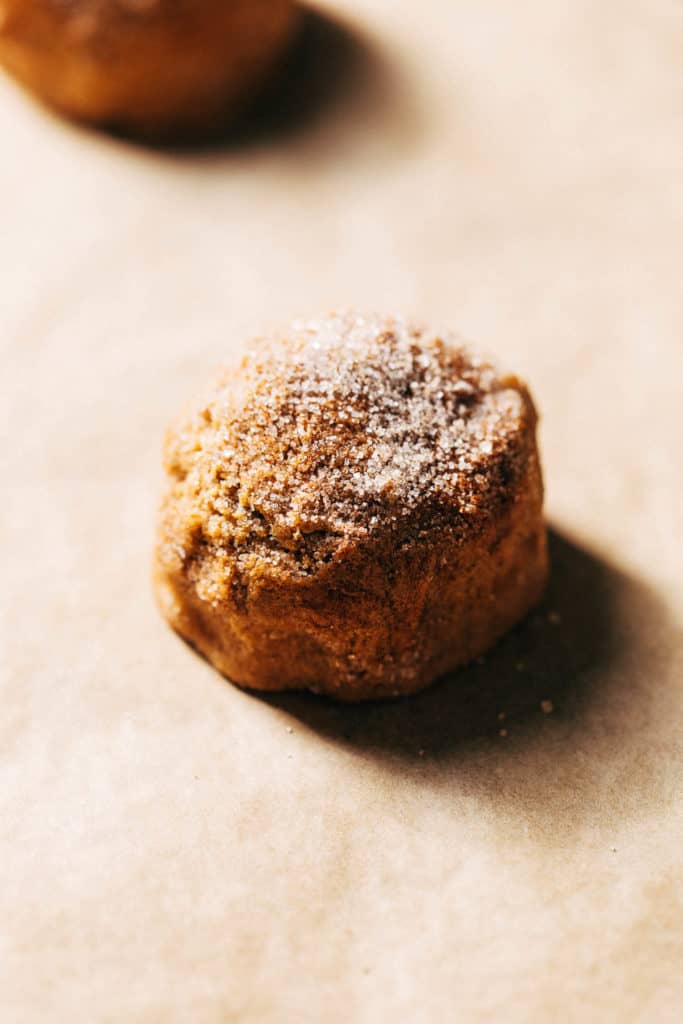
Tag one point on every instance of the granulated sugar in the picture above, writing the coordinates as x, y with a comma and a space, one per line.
345, 425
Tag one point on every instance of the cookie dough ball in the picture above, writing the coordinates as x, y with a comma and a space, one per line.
355, 509
151, 68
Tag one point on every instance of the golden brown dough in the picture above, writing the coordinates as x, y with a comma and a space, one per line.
355, 509
146, 67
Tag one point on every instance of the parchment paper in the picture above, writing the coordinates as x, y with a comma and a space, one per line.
176, 850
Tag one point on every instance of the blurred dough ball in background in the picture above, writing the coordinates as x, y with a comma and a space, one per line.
146, 68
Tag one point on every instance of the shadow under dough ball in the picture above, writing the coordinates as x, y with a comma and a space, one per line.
149, 68
355, 509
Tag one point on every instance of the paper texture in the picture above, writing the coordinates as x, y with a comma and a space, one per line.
176, 850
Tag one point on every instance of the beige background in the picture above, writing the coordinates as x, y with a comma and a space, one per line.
175, 850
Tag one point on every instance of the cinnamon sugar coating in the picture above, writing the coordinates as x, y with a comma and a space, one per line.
356, 508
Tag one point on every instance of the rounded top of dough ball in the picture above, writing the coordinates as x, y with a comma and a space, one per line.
340, 430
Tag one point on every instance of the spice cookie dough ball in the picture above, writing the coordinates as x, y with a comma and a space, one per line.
356, 509
145, 67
